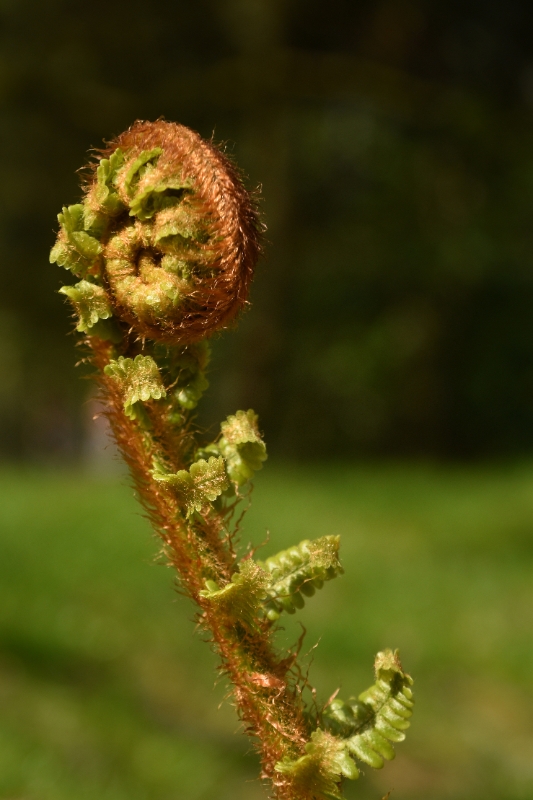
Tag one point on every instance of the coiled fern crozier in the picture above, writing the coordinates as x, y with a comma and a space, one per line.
163, 246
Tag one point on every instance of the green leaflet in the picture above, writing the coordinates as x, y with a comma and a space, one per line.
65, 256
242, 446
241, 598
90, 301
76, 250
191, 382
140, 380
204, 482
152, 199
300, 571
139, 167
106, 173
363, 728
378, 717
96, 222
184, 369
318, 773
189, 395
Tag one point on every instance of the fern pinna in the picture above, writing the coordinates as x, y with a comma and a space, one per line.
163, 246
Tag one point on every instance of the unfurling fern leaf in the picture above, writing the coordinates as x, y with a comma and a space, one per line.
163, 247
317, 773
240, 445
191, 382
183, 370
363, 728
378, 717
76, 249
204, 482
105, 192
90, 301
299, 571
240, 599
139, 379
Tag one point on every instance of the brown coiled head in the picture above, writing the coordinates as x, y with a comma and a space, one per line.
168, 230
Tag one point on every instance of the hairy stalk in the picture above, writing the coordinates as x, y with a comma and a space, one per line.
164, 244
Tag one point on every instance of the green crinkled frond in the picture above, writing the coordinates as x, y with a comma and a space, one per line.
189, 395
317, 774
191, 382
90, 301
203, 483
152, 199
241, 598
378, 717
186, 372
72, 221
106, 173
140, 380
139, 167
64, 255
76, 249
299, 571
240, 428
71, 218
242, 446
86, 245
96, 222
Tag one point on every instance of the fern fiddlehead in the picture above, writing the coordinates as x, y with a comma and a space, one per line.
163, 245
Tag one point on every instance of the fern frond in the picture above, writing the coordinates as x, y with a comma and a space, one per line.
72, 221
241, 598
139, 379
317, 774
137, 169
75, 249
90, 301
191, 382
242, 446
299, 571
106, 172
164, 245
378, 717
204, 482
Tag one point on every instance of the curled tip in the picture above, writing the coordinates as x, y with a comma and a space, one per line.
168, 229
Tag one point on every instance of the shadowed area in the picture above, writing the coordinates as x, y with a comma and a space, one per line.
392, 141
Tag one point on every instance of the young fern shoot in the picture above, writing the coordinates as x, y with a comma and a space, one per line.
163, 246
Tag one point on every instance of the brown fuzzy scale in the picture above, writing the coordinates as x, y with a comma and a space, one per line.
220, 199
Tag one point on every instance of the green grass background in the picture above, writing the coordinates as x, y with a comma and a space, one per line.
106, 692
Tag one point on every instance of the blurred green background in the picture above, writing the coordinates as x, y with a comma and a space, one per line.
388, 351
107, 693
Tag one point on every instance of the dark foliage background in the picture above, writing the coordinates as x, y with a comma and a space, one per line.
394, 144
